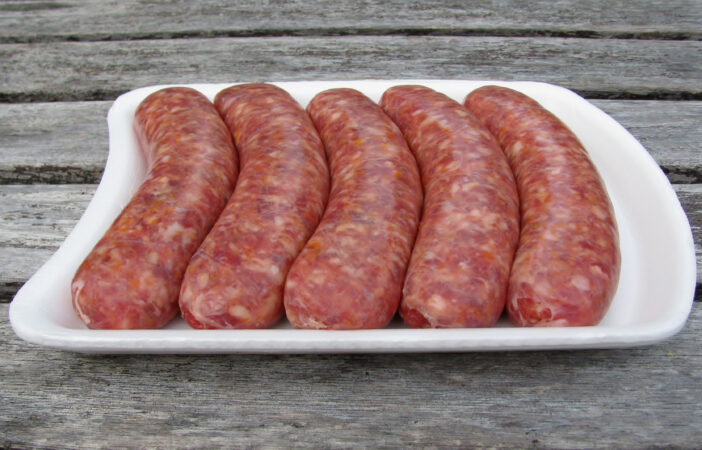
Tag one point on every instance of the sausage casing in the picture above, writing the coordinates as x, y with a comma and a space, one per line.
235, 280
566, 268
132, 277
460, 264
349, 275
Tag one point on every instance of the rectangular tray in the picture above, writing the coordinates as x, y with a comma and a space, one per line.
653, 299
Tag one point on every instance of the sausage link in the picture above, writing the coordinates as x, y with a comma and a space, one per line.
349, 275
566, 268
460, 264
235, 280
131, 279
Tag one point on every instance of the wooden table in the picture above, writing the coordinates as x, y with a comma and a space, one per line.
63, 63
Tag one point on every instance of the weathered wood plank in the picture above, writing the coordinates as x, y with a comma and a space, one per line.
100, 20
40, 217
690, 196
622, 398
596, 68
669, 130
66, 142
35, 220
53, 142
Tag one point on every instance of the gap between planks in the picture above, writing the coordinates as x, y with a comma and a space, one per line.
347, 31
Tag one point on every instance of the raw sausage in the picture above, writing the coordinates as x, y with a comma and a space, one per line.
460, 264
235, 280
131, 279
567, 264
349, 275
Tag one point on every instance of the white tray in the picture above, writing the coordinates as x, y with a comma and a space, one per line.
652, 302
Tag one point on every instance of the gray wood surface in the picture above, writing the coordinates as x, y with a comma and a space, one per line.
645, 57
53, 143
599, 68
34, 221
690, 196
67, 142
23, 21
631, 398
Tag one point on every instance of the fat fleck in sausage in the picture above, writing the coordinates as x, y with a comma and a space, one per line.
460, 264
567, 265
349, 275
235, 280
132, 277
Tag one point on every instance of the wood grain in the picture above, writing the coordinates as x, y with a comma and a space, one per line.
669, 130
25, 21
623, 398
34, 221
596, 68
66, 142
53, 143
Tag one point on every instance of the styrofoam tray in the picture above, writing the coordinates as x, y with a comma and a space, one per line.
652, 302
